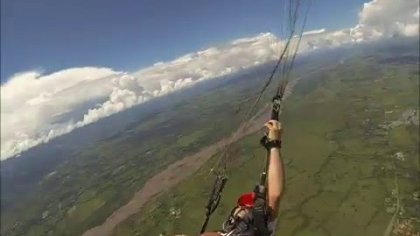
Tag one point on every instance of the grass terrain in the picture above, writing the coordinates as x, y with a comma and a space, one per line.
350, 152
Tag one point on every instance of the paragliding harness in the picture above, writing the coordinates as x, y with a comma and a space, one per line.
250, 217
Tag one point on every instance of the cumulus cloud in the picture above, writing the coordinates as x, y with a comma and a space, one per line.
36, 107
31, 101
210, 63
28, 119
377, 19
390, 17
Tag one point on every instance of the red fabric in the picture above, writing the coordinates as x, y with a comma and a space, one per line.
247, 200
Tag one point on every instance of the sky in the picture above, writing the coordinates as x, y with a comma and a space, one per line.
49, 35
67, 64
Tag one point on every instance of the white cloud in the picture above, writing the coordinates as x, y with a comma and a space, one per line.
390, 17
311, 32
32, 101
33, 105
377, 19
387, 18
212, 62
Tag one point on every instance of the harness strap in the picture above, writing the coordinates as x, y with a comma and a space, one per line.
259, 212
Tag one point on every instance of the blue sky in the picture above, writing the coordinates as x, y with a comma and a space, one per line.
50, 35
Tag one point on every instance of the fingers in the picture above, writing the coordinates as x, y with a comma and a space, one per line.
279, 126
273, 124
268, 125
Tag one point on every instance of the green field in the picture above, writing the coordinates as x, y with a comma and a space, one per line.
350, 147
350, 151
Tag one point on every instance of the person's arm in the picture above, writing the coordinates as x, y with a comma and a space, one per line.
275, 175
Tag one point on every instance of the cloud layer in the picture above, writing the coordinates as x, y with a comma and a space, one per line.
36, 108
